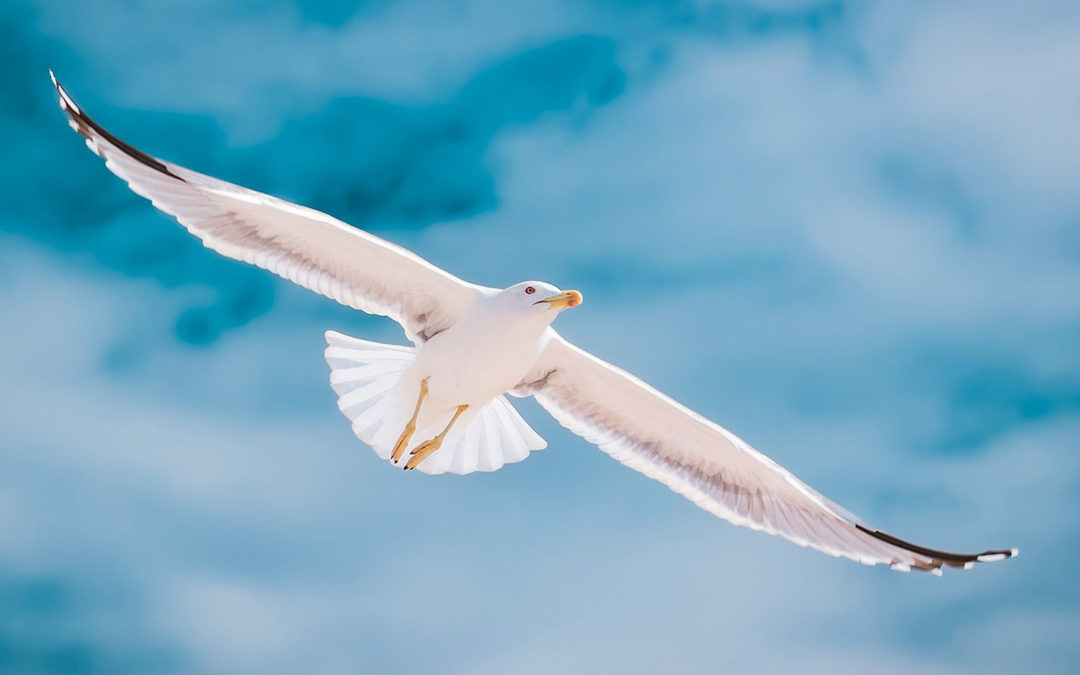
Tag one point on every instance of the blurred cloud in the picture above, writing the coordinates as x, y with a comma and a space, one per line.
847, 231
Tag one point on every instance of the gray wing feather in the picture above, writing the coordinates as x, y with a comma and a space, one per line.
300, 244
709, 465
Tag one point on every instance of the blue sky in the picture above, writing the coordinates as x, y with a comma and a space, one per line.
846, 231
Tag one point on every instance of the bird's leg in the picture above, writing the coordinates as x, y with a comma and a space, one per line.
406, 435
421, 451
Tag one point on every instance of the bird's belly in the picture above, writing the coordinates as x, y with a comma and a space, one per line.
474, 378
472, 372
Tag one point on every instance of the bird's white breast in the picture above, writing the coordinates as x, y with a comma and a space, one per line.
484, 355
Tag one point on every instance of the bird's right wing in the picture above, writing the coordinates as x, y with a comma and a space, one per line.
300, 244
709, 465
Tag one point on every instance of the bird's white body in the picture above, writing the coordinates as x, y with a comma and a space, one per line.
485, 354
490, 350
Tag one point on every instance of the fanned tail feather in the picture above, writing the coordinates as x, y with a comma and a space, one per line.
365, 376
496, 436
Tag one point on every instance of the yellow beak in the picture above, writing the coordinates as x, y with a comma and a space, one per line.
562, 300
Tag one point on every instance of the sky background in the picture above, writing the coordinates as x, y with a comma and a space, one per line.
848, 231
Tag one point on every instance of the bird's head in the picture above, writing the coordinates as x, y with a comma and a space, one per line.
539, 298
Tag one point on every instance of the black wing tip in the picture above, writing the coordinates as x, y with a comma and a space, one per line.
994, 556
940, 558
66, 102
92, 132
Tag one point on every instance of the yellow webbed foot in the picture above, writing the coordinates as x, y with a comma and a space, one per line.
402, 442
421, 452
410, 426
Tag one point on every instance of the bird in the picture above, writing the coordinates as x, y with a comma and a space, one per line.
443, 399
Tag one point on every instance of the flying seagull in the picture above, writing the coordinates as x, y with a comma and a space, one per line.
443, 400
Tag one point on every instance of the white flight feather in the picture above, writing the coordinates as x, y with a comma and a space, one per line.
303, 245
707, 464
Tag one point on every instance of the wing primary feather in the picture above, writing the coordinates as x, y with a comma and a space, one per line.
950, 559
83, 124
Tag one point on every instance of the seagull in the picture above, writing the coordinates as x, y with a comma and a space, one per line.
444, 399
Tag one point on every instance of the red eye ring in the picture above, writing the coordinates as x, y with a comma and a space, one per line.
529, 290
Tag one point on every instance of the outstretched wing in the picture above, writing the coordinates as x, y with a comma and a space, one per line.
709, 465
300, 244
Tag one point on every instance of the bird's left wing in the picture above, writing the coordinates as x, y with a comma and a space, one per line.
709, 465
300, 244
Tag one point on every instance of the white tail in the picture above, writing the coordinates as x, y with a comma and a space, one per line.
365, 375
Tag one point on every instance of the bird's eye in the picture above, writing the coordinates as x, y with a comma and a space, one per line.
529, 290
